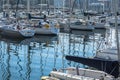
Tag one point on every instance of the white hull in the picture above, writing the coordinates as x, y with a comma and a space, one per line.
81, 32
27, 32
81, 27
84, 74
10, 31
45, 31
99, 26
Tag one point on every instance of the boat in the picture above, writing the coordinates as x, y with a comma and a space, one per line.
99, 22
111, 67
100, 31
77, 32
16, 31
99, 25
73, 73
45, 27
78, 25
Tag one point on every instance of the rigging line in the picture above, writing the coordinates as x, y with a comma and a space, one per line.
113, 69
99, 45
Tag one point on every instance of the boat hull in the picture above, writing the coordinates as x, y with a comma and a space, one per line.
81, 27
44, 31
99, 26
15, 34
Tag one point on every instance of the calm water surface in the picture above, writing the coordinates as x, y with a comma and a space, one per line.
29, 59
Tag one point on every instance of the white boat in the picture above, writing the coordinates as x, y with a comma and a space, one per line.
78, 25
73, 73
50, 28
99, 22
13, 31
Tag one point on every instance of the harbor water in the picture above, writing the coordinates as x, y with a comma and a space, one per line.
32, 58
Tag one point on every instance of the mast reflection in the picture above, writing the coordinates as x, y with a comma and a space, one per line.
18, 59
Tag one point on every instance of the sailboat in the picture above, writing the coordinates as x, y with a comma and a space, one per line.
81, 24
42, 25
12, 28
12, 31
49, 27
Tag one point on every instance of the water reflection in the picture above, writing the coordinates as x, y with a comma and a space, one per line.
32, 58
23, 59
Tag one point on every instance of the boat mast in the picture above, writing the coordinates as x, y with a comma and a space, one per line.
28, 6
8, 5
48, 7
84, 6
3, 8
54, 7
63, 7
16, 8
3, 5
41, 6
